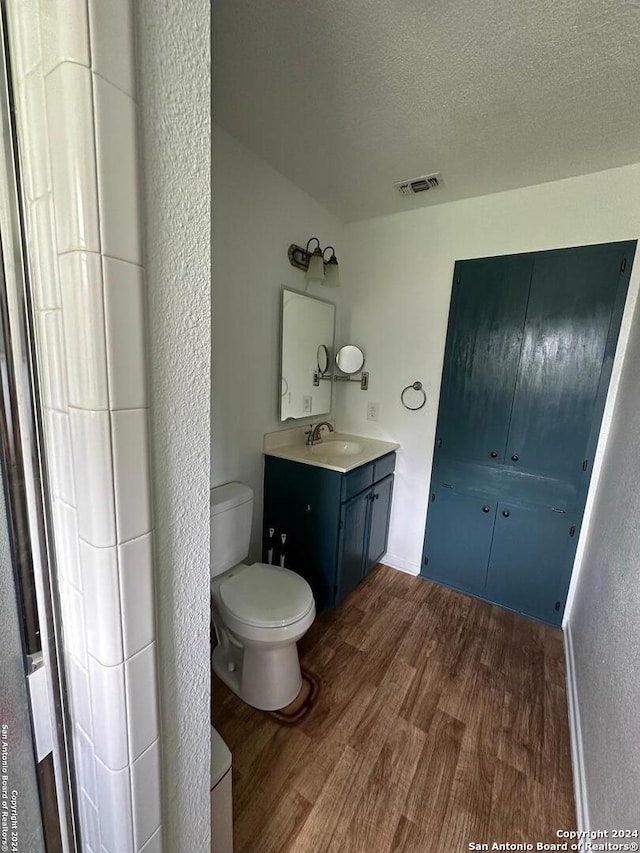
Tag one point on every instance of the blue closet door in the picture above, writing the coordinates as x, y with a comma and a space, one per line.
528, 359
530, 562
458, 540
488, 306
572, 296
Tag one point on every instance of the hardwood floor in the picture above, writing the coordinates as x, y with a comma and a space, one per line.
441, 721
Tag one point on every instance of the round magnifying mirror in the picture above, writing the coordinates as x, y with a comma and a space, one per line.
323, 359
350, 359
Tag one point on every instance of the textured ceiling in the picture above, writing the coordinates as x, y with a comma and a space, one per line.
344, 97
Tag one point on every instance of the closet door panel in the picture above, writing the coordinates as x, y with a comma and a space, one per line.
484, 337
458, 540
565, 336
530, 562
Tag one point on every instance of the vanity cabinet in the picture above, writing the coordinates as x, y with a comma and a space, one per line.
335, 524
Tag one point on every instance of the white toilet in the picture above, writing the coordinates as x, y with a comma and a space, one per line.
259, 611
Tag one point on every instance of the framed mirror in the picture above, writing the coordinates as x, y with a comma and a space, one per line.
306, 347
350, 359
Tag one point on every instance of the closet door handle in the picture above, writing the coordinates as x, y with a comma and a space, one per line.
493, 454
515, 457
486, 509
506, 513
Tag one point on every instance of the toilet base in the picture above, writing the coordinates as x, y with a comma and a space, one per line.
264, 676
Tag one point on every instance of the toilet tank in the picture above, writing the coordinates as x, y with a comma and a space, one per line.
231, 511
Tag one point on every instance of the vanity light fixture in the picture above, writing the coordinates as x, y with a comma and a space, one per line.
312, 262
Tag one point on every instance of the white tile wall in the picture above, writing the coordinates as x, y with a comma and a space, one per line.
124, 314
52, 376
73, 157
60, 458
83, 307
26, 39
115, 808
134, 563
80, 695
154, 844
45, 263
90, 823
66, 534
101, 593
85, 764
111, 42
140, 675
37, 172
109, 708
93, 476
63, 32
118, 174
76, 109
131, 469
145, 776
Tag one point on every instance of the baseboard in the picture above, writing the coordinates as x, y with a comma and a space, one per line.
400, 564
575, 734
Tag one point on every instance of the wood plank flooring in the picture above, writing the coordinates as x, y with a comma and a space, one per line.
441, 721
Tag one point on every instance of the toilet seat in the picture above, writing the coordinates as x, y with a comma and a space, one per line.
265, 596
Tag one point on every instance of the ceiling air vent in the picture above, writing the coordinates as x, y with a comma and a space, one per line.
419, 185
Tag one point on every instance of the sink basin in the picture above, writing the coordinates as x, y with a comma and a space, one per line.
337, 448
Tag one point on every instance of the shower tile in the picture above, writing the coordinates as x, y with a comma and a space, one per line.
83, 312
118, 173
73, 158
124, 309
131, 470
93, 476
101, 590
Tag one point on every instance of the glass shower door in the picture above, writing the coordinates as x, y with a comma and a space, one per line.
20, 811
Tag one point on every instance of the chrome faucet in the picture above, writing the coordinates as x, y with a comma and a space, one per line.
313, 434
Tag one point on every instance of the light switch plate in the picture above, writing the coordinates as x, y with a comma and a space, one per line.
373, 410
307, 404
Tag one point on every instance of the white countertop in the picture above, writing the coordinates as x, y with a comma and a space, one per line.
337, 451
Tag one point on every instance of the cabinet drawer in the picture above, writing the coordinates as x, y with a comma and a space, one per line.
383, 467
356, 481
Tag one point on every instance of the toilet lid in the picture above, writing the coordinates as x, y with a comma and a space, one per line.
266, 596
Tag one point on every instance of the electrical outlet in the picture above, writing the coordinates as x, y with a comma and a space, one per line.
373, 410
307, 404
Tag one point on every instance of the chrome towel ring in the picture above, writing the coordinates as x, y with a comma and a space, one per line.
415, 386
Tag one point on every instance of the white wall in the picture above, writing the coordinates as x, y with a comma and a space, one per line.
604, 623
173, 59
398, 271
257, 214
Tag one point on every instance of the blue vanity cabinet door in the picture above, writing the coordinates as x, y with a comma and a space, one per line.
458, 539
486, 320
354, 525
379, 515
303, 502
572, 298
531, 560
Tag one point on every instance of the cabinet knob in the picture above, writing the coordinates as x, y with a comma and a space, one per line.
486, 508
515, 457
493, 454
307, 508
506, 513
